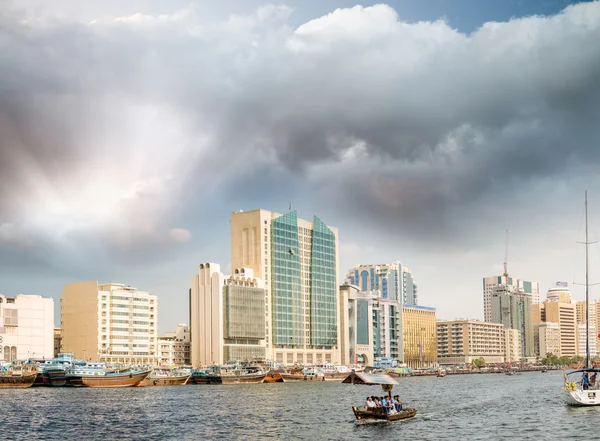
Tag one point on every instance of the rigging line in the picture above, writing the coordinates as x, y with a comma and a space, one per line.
574, 256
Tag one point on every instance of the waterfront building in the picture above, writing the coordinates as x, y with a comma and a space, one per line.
395, 281
512, 308
298, 260
491, 284
546, 338
514, 351
356, 326
581, 342
559, 293
57, 341
419, 337
26, 327
566, 316
227, 316
462, 341
174, 347
111, 322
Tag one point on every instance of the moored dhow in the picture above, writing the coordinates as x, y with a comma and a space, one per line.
166, 377
95, 374
17, 375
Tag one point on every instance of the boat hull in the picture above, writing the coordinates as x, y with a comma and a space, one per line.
582, 397
57, 378
17, 381
273, 376
111, 380
246, 378
365, 415
42, 379
177, 380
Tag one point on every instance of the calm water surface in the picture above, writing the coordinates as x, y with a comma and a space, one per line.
456, 407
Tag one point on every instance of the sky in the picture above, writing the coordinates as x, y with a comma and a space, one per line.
131, 130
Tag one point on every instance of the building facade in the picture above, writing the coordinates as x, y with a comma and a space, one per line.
111, 322
491, 284
514, 352
356, 334
57, 341
395, 281
565, 314
581, 341
227, 316
298, 260
174, 348
546, 338
462, 341
26, 327
419, 337
512, 308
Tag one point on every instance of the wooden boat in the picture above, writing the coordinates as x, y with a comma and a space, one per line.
365, 415
273, 376
132, 378
204, 377
441, 374
297, 376
512, 373
18, 376
387, 383
165, 380
42, 379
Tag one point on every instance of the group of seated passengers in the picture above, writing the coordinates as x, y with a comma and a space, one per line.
387, 406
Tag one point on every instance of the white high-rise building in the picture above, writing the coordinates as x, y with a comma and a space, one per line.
174, 347
227, 316
111, 322
490, 284
26, 327
581, 343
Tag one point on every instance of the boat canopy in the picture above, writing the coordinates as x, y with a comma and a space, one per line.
584, 370
369, 379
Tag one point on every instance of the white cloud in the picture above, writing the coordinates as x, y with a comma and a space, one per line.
180, 235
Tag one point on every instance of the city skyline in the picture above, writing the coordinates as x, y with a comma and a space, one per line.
123, 155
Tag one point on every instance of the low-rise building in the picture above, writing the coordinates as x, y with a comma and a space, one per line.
174, 347
462, 341
546, 339
227, 316
26, 327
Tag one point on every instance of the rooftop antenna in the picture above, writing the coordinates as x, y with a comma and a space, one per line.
506, 258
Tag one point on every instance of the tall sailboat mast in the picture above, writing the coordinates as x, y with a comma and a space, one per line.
587, 290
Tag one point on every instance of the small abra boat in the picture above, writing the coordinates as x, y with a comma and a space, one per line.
387, 384
18, 375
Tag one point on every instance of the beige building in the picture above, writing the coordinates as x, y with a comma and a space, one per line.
547, 339
581, 328
57, 341
513, 345
420, 336
227, 316
462, 341
174, 347
356, 326
566, 316
298, 261
110, 322
26, 327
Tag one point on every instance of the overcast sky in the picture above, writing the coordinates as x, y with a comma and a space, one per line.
130, 130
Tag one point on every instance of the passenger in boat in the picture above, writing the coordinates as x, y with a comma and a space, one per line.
585, 381
384, 405
369, 405
397, 403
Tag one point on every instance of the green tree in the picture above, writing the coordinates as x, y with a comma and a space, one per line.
479, 362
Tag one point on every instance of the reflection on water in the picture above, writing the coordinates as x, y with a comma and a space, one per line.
472, 407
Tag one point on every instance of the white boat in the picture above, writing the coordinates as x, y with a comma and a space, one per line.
579, 390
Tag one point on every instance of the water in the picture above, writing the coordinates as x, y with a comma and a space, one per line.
474, 407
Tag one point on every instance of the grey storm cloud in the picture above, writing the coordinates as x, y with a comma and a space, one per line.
107, 124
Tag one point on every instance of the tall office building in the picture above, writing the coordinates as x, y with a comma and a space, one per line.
462, 341
514, 350
581, 327
26, 327
490, 284
110, 322
419, 336
356, 326
565, 315
395, 281
227, 316
298, 260
559, 293
512, 308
